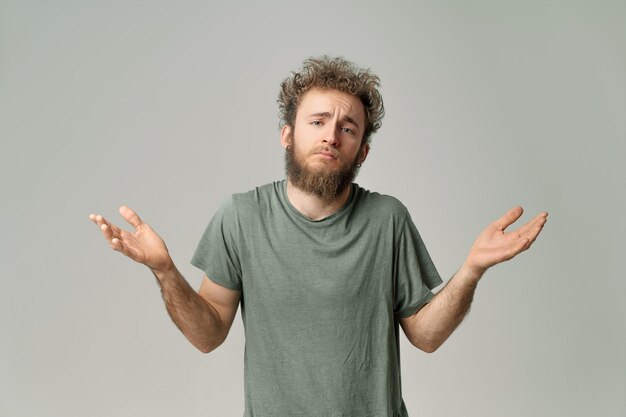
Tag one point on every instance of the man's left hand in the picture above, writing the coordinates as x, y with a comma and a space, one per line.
494, 245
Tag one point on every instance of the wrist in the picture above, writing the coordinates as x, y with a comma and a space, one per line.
470, 274
168, 269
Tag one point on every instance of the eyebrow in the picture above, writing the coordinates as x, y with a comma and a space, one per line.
328, 115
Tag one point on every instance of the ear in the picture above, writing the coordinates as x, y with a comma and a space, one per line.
285, 139
363, 152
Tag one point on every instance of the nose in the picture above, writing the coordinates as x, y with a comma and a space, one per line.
332, 135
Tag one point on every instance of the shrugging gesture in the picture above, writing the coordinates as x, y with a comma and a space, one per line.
434, 323
194, 313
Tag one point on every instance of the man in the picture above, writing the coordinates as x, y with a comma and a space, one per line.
325, 270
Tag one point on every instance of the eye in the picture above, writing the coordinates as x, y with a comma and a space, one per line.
316, 123
347, 130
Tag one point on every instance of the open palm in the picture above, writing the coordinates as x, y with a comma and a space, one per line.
143, 245
494, 245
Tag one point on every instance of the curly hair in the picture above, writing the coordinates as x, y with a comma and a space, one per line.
338, 74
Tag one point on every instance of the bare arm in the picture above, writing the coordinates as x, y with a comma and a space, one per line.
429, 327
204, 318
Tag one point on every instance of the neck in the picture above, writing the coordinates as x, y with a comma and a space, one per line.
312, 206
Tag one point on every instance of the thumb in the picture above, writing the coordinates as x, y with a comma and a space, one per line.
508, 218
130, 216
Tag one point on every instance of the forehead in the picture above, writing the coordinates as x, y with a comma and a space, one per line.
331, 101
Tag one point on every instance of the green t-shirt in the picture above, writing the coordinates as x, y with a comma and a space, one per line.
320, 299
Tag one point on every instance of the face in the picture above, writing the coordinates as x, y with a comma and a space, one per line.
324, 148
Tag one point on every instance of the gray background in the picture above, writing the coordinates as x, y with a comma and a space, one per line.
169, 107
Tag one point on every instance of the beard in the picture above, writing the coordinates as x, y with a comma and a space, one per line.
324, 183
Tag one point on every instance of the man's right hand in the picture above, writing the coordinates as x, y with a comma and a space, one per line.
143, 245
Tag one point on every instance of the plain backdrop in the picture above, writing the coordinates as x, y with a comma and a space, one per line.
170, 106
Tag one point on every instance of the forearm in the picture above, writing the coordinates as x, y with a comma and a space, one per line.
441, 316
194, 317
436, 321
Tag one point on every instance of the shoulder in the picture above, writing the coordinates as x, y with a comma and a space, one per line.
382, 204
254, 199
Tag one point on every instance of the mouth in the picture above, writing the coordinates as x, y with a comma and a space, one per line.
327, 154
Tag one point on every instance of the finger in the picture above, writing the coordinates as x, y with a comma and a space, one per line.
533, 233
107, 232
531, 227
527, 240
509, 217
99, 220
118, 245
130, 216
95, 218
524, 230
125, 249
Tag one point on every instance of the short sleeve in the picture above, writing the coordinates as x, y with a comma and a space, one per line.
415, 274
216, 253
